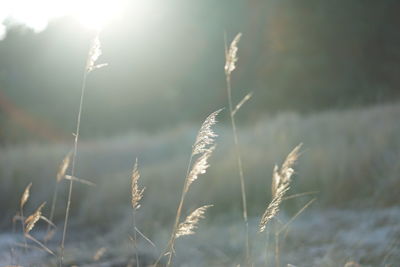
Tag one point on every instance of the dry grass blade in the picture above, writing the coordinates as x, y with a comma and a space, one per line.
25, 195
136, 192
281, 179
199, 167
33, 218
206, 135
48, 221
296, 215
231, 55
27, 235
94, 54
62, 169
242, 102
188, 226
76, 179
145, 237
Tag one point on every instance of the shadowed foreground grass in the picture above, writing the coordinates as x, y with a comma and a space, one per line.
351, 157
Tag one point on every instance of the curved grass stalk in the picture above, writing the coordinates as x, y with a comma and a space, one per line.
93, 55
202, 150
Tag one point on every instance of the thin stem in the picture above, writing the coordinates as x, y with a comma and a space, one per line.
296, 215
277, 248
178, 212
23, 226
78, 125
239, 163
135, 238
266, 245
170, 246
53, 207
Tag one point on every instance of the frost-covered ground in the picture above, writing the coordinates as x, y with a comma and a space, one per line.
316, 238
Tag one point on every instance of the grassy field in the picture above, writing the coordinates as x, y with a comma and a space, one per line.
350, 157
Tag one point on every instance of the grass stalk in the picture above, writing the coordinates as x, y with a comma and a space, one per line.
277, 246
229, 67
93, 55
202, 150
170, 246
74, 154
135, 238
53, 207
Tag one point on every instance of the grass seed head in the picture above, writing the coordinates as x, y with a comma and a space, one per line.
281, 179
206, 136
136, 192
33, 218
25, 195
62, 169
188, 226
231, 55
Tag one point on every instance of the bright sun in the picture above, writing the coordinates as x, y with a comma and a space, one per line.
93, 14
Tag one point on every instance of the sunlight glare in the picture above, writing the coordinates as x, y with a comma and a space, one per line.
92, 14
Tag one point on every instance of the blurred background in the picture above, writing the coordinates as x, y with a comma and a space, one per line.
322, 73
166, 64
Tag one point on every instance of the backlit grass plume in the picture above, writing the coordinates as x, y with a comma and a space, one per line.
62, 169
199, 167
33, 218
25, 196
94, 54
136, 192
202, 149
206, 136
23, 200
136, 196
30, 223
188, 226
281, 179
231, 55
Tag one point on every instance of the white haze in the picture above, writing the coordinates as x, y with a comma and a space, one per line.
36, 14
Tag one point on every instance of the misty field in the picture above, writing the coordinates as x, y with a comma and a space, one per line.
349, 162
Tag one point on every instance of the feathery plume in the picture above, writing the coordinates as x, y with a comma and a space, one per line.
281, 179
25, 195
206, 135
199, 167
188, 226
273, 207
137, 193
287, 170
62, 169
33, 218
94, 54
231, 55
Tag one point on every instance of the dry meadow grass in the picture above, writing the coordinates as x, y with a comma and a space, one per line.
349, 163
